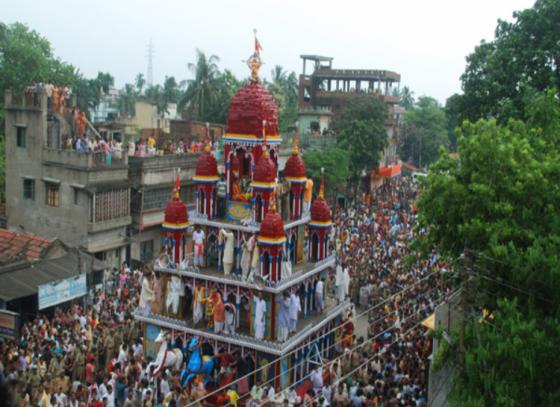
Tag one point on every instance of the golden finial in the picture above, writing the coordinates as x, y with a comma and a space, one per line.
177, 188
207, 147
265, 145
322, 188
296, 143
255, 62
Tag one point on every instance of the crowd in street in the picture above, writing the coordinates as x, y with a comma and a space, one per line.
386, 366
93, 355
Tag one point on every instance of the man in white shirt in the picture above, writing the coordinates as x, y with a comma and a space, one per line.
198, 237
316, 378
49, 90
122, 358
60, 398
260, 316
295, 308
319, 288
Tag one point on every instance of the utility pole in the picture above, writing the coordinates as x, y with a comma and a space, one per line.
150, 73
465, 268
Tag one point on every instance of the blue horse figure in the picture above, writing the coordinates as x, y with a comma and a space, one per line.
197, 365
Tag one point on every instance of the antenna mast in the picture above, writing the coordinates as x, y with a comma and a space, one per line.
150, 54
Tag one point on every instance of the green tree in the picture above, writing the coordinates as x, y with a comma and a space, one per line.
284, 87
452, 115
127, 101
423, 132
406, 98
524, 56
335, 162
361, 131
172, 90
497, 203
201, 90
226, 86
26, 56
139, 83
2, 170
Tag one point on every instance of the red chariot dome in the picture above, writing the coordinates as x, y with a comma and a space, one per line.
265, 170
206, 167
252, 104
295, 167
320, 211
176, 215
272, 228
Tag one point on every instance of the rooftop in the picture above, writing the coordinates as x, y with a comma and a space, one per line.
316, 57
364, 74
15, 246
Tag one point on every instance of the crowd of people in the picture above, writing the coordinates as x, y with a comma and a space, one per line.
147, 147
58, 96
92, 354
387, 366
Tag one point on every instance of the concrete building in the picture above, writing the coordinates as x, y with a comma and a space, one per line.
115, 210
192, 130
147, 117
151, 180
325, 92
60, 193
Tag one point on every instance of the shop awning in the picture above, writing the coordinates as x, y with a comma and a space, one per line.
21, 280
430, 322
390, 171
386, 172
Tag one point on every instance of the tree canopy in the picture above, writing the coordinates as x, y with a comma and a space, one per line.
502, 75
284, 87
335, 162
361, 131
423, 132
406, 97
497, 203
25, 57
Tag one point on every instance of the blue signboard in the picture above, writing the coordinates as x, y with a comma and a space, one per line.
61, 291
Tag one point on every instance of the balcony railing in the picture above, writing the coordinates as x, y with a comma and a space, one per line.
75, 158
28, 99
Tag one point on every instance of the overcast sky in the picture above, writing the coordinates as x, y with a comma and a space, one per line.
425, 41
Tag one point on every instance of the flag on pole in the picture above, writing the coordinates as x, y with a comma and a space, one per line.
258, 47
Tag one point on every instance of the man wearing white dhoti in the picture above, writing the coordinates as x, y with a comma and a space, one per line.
260, 316
248, 247
198, 238
146, 295
198, 300
342, 282
228, 239
174, 293
295, 308
284, 317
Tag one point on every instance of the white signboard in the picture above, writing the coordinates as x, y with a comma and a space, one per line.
61, 291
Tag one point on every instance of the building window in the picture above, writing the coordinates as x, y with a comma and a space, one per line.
76, 196
146, 250
29, 189
52, 194
111, 205
156, 198
20, 136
